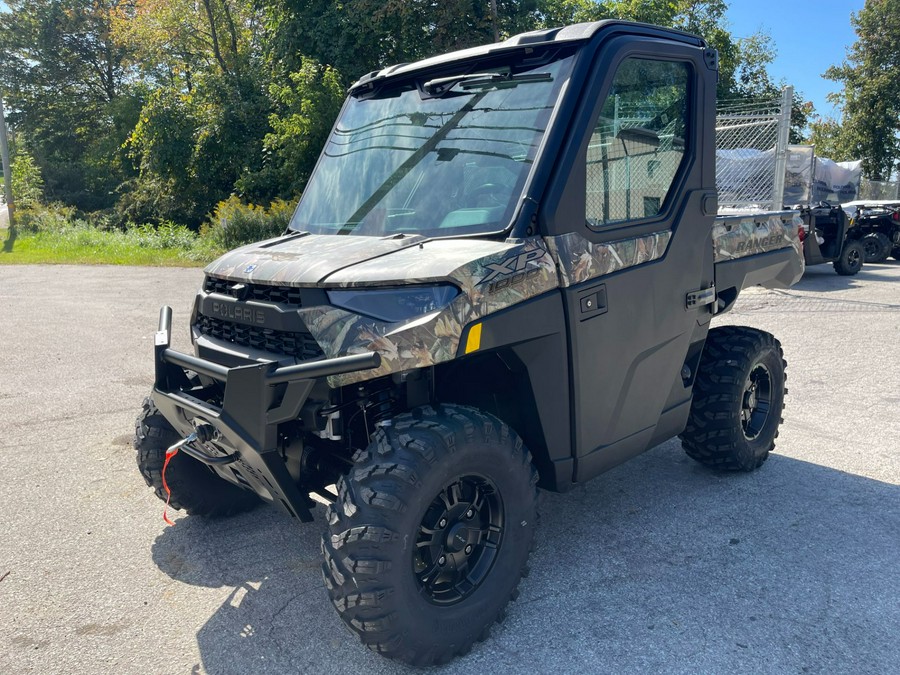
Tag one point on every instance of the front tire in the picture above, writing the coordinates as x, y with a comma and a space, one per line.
195, 488
431, 533
738, 399
850, 262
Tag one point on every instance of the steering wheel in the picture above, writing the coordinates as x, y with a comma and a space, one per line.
490, 190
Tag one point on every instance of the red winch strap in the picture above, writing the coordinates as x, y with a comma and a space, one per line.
170, 453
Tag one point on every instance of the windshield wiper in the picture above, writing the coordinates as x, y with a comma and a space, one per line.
441, 85
407, 166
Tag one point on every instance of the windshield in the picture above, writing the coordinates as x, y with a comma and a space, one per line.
441, 157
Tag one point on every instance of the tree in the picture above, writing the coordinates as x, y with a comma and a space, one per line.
870, 76
358, 36
174, 40
201, 129
826, 134
305, 109
66, 79
162, 108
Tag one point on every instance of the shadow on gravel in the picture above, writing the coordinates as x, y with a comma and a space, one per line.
822, 278
658, 565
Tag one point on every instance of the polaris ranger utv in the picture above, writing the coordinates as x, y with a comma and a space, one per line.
500, 277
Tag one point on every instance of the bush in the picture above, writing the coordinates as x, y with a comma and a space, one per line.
54, 217
62, 227
27, 182
166, 235
234, 223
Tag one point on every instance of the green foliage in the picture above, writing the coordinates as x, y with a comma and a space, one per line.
826, 134
157, 110
234, 223
163, 139
60, 234
306, 107
27, 182
193, 148
358, 36
564, 12
871, 96
63, 76
52, 218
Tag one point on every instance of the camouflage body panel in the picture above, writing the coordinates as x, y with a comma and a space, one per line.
492, 276
579, 260
513, 272
516, 271
303, 259
739, 236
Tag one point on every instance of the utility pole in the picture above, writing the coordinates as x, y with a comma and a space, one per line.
7, 172
494, 20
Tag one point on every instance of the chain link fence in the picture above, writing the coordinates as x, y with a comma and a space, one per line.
629, 171
639, 141
628, 176
879, 189
752, 152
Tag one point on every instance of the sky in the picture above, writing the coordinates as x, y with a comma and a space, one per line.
809, 36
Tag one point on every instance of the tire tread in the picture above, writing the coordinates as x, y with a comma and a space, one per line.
361, 536
195, 488
711, 434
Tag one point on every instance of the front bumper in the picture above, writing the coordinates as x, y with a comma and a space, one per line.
257, 398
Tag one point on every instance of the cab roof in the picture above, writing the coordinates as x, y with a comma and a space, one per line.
579, 32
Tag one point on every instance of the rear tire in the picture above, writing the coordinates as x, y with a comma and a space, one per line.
850, 262
877, 247
896, 253
738, 399
195, 488
430, 533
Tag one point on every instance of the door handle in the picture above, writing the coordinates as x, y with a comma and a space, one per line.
592, 301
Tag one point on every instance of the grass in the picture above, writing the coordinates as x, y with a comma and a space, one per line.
58, 234
86, 245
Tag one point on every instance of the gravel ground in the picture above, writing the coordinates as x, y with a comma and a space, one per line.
657, 566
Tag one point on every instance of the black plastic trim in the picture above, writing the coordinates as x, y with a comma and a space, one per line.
256, 398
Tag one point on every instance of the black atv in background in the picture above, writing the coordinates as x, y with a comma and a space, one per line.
828, 237
877, 227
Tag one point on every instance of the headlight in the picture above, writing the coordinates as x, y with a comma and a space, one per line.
394, 304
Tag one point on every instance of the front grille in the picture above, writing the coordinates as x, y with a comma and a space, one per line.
288, 295
299, 345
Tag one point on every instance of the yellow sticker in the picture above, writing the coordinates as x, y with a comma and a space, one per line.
473, 342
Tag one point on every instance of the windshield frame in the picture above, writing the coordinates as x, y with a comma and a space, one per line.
520, 60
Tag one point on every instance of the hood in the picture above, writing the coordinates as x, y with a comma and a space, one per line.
303, 259
342, 260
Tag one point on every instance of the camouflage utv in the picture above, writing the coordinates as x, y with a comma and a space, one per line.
496, 281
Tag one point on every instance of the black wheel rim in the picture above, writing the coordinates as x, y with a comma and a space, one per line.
756, 401
853, 258
872, 247
458, 540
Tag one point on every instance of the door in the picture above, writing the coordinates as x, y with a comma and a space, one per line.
644, 181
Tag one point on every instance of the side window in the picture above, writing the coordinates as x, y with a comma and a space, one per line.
639, 141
